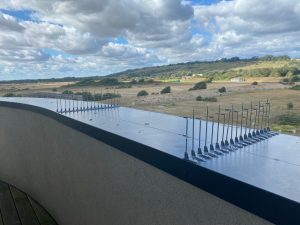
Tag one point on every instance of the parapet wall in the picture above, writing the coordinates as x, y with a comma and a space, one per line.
83, 181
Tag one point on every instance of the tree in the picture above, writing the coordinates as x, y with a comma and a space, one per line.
265, 72
142, 93
199, 98
290, 106
283, 71
166, 90
110, 96
198, 86
133, 81
67, 92
294, 70
222, 90
109, 81
9, 95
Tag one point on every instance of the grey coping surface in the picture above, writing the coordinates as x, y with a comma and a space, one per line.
272, 164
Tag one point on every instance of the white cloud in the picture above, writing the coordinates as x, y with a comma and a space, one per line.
259, 26
83, 34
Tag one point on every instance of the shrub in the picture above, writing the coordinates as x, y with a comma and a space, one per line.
54, 89
206, 99
199, 98
255, 83
290, 106
210, 99
85, 95
142, 93
222, 90
288, 119
67, 92
284, 128
150, 81
123, 86
109, 82
209, 80
296, 87
9, 95
166, 90
199, 85
110, 96
285, 80
295, 79
133, 81
283, 71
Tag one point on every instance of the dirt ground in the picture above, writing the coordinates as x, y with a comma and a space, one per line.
30, 87
180, 101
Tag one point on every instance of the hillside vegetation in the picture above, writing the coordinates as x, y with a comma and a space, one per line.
288, 70
224, 69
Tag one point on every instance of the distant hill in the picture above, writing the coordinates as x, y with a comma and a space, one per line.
183, 69
223, 69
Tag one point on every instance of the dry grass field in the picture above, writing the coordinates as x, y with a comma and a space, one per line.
180, 101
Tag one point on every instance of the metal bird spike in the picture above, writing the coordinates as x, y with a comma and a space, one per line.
193, 134
115, 99
199, 141
60, 104
101, 99
231, 131
56, 103
81, 102
73, 102
205, 146
77, 103
266, 115
228, 124
255, 123
241, 130
56, 98
268, 128
186, 156
258, 119
97, 101
250, 122
93, 100
218, 126
223, 130
236, 139
65, 103
69, 101
211, 147
262, 118
246, 127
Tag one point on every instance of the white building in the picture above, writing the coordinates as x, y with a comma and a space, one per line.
238, 79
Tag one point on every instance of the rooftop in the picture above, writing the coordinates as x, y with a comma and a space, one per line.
272, 164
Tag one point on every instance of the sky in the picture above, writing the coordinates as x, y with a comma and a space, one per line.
60, 38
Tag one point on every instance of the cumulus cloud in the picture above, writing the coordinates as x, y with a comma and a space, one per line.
75, 37
263, 25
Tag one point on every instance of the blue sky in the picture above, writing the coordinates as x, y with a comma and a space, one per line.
43, 39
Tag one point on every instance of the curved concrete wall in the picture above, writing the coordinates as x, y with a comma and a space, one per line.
83, 181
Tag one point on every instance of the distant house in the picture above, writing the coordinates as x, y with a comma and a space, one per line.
237, 79
187, 77
198, 75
